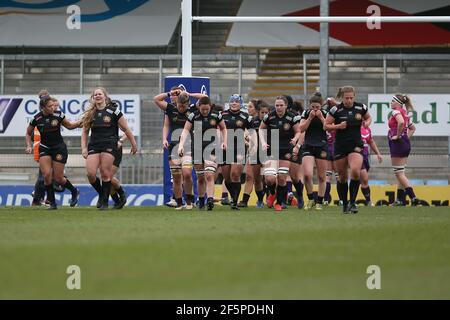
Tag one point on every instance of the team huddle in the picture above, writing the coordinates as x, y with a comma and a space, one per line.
277, 146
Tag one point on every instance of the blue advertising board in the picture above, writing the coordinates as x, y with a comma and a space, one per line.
137, 195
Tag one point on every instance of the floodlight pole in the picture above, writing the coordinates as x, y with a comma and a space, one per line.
186, 34
324, 40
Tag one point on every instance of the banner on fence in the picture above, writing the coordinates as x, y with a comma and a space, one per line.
431, 115
16, 111
137, 195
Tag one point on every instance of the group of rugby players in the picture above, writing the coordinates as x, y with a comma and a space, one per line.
278, 147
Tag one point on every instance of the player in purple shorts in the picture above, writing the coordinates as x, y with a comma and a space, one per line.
366, 136
400, 132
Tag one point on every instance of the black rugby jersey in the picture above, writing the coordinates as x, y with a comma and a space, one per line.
284, 124
256, 122
210, 121
236, 120
315, 135
354, 117
176, 118
105, 127
49, 127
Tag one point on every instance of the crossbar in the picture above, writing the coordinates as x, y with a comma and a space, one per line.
329, 19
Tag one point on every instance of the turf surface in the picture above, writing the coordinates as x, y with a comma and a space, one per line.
160, 253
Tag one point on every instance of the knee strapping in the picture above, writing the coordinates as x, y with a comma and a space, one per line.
398, 169
329, 173
270, 172
175, 169
283, 170
210, 169
187, 164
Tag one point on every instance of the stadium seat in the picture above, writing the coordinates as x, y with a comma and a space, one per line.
437, 182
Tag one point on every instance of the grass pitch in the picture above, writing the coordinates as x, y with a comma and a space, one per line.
160, 253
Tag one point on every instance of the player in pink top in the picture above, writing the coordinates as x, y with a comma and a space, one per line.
400, 131
366, 136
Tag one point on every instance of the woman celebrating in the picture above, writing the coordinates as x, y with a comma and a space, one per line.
103, 119
205, 164
400, 132
276, 169
237, 122
52, 149
314, 149
347, 118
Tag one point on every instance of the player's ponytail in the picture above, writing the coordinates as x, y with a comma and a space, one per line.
403, 100
44, 98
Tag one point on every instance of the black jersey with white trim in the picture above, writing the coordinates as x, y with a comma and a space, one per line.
178, 119
49, 127
315, 135
354, 118
236, 120
284, 125
105, 125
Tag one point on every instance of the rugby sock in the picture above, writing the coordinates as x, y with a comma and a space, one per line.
189, 199
271, 188
289, 186
354, 188
70, 186
229, 187
260, 195
366, 193
284, 191
280, 198
319, 199
120, 191
327, 195
97, 186
201, 201
115, 197
342, 189
410, 192
106, 188
245, 197
236, 191
50, 193
310, 196
179, 202
401, 195
224, 194
299, 188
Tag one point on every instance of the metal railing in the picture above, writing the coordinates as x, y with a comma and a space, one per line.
239, 59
